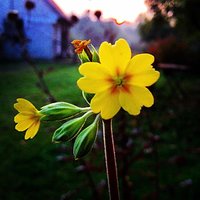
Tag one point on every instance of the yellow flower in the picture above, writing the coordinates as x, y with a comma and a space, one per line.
28, 118
118, 80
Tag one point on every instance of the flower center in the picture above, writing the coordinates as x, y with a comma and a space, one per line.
119, 81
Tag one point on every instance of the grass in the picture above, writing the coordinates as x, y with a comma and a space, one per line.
38, 169
30, 170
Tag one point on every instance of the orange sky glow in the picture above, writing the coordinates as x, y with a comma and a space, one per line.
125, 10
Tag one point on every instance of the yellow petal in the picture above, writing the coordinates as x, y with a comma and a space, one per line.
32, 131
94, 70
140, 63
142, 95
24, 105
106, 55
146, 78
105, 103
129, 103
135, 99
92, 85
115, 57
23, 125
122, 54
22, 117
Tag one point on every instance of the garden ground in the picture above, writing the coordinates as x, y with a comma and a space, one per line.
161, 145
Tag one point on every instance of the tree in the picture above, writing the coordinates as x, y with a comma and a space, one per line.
181, 15
156, 28
180, 18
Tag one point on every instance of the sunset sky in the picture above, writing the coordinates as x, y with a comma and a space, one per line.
125, 10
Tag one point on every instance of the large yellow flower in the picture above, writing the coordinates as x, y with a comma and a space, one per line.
28, 118
118, 80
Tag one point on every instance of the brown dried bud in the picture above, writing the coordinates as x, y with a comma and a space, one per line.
80, 45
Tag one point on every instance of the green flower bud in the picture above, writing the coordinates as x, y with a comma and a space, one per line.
89, 55
70, 129
85, 140
60, 111
95, 55
83, 57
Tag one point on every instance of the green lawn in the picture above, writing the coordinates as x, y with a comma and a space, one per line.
38, 169
30, 169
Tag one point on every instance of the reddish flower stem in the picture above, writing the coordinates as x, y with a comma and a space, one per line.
109, 151
110, 160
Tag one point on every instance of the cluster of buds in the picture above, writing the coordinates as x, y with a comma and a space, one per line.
85, 51
74, 126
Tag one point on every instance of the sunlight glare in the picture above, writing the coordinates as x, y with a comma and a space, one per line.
121, 11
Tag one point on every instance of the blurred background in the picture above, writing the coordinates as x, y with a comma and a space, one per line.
157, 151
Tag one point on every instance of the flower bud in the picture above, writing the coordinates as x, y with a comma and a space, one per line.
70, 129
95, 55
85, 140
85, 51
83, 57
60, 111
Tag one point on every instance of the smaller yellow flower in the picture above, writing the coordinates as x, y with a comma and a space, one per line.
80, 45
28, 118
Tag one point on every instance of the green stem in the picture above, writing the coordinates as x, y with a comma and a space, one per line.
110, 160
86, 109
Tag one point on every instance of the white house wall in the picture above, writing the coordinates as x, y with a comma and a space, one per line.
38, 25
40, 43
4, 7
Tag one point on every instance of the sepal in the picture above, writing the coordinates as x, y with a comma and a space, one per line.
70, 129
95, 55
87, 97
83, 57
60, 111
85, 140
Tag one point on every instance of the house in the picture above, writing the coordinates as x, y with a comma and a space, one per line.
97, 30
38, 27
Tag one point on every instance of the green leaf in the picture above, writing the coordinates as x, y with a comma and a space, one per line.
85, 140
60, 111
70, 129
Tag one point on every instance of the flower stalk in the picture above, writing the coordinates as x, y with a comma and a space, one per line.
110, 160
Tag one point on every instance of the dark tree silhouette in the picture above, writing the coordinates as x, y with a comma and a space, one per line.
98, 14
177, 18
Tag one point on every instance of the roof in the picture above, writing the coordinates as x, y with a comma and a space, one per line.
56, 8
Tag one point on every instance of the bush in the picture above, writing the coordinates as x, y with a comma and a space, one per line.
169, 50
